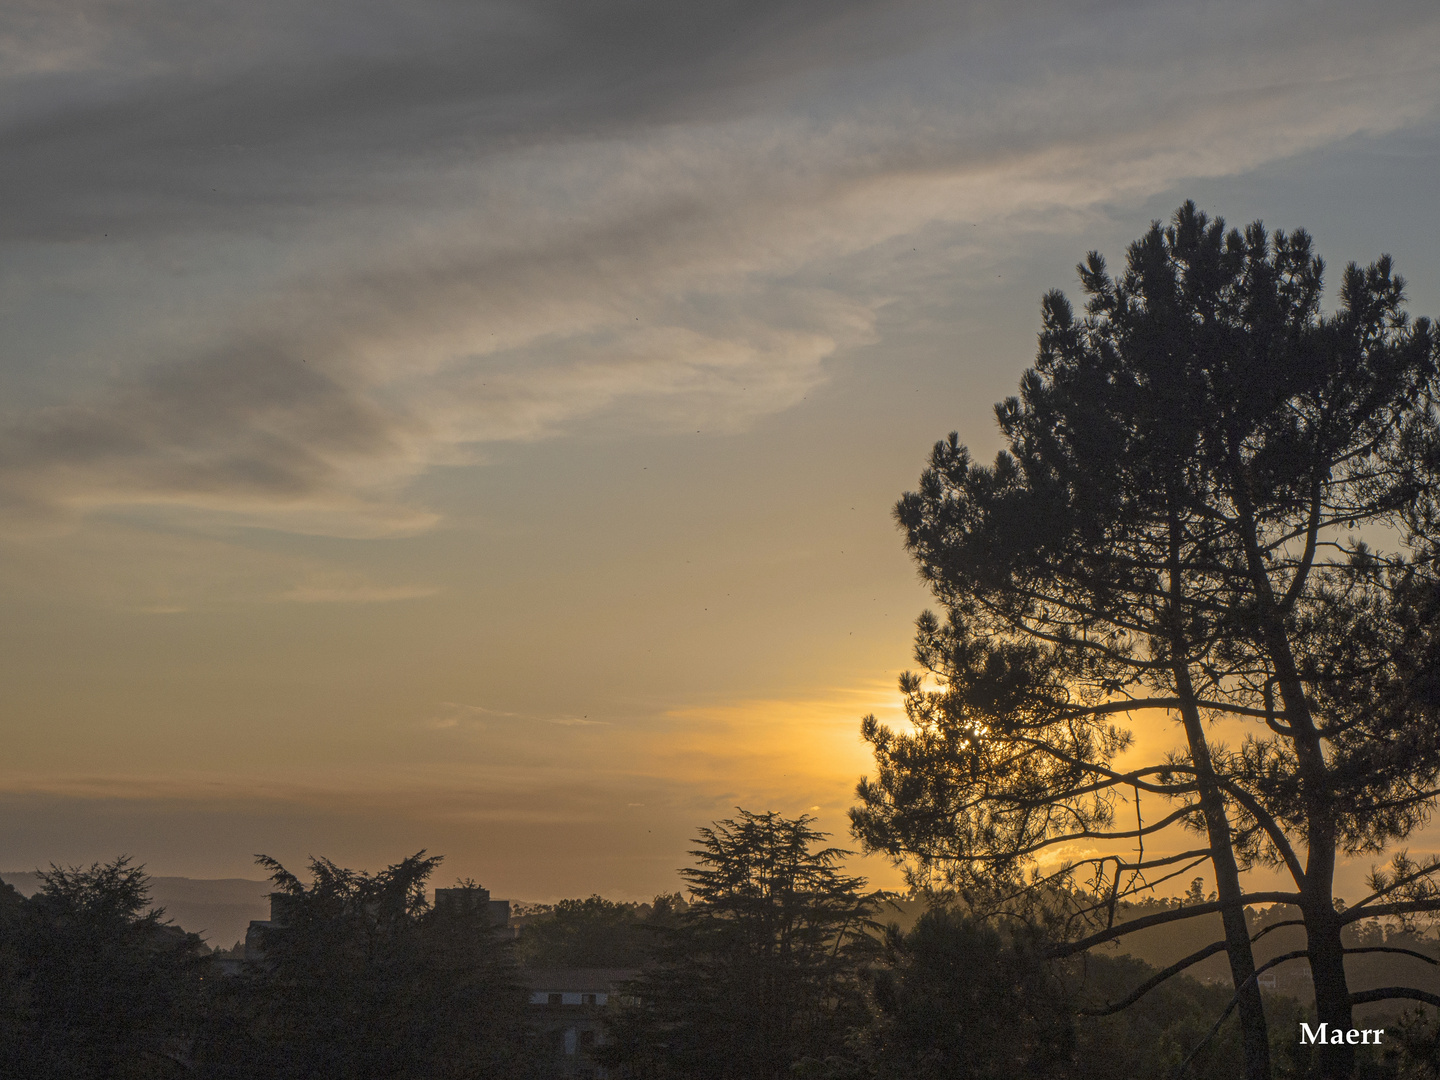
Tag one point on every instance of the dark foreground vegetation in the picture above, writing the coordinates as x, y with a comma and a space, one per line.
1217, 503
777, 965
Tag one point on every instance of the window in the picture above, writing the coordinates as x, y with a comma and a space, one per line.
587, 999
554, 999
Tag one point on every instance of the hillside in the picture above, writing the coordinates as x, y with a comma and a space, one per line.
218, 909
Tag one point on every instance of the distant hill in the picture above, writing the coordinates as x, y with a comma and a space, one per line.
218, 909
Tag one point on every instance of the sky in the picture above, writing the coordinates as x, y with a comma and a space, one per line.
475, 426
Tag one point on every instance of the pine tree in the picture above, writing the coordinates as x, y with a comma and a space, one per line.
1177, 528
760, 971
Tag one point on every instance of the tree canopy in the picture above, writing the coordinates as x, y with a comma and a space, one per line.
1217, 503
593, 932
93, 980
759, 972
360, 976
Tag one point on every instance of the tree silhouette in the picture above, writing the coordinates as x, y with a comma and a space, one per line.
760, 972
361, 978
593, 932
99, 985
954, 998
1179, 527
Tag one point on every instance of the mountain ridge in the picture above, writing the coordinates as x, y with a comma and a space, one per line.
218, 909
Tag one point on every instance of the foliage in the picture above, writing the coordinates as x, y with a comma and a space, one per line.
960, 996
1413, 1048
365, 979
97, 984
954, 998
13, 1007
1175, 527
593, 932
362, 979
761, 973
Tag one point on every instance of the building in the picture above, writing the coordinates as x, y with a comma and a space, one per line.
464, 899
471, 900
571, 1005
255, 932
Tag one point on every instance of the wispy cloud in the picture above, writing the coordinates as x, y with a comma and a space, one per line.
124, 566
804, 750
279, 283
354, 592
454, 715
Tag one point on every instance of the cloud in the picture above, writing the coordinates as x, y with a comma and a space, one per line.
276, 284
138, 566
499, 725
477, 763
249, 426
584, 808
354, 592
810, 745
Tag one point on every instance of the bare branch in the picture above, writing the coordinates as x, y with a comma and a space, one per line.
1276, 926
1350, 915
1393, 949
1142, 704
1155, 980
1089, 834
1160, 918
1388, 993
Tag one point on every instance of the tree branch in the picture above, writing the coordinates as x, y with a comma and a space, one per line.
1350, 915
1140, 704
1276, 926
1388, 993
1393, 949
1399, 883
1155, 980
1235, 1001
1160, 918
1088, 834
1271, 826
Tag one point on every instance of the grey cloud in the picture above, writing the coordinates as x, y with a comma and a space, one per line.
256, 116
169, 117
399, 235
334, 390
245, 423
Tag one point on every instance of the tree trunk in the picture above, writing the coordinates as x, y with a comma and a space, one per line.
1332, 991
1322, 925
1255, 1034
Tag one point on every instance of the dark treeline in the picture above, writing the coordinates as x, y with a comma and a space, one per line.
774, 964
364, 979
